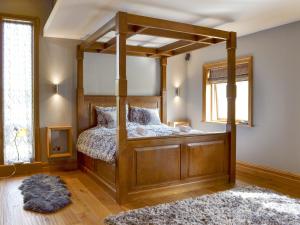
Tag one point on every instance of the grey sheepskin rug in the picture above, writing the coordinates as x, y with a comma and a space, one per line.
44, 193
239, 206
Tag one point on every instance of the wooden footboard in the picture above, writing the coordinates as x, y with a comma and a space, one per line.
157, 165
180, 162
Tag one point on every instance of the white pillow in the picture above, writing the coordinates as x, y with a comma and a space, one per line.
154, 117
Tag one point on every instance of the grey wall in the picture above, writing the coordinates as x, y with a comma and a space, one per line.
274, 139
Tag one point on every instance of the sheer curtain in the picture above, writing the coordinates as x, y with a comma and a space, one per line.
18, 91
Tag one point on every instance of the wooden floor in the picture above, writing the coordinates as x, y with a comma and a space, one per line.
90, 203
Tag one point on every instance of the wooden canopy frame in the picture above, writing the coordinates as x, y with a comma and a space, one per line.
188, 37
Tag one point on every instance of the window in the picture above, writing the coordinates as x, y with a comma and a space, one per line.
215, 88
18, 80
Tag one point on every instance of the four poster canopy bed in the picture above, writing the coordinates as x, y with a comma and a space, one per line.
132, 165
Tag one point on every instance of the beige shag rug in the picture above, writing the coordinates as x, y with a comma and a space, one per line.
239, 206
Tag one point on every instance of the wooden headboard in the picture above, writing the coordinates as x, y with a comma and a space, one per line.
90, 101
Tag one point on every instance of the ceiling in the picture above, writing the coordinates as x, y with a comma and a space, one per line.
76, 19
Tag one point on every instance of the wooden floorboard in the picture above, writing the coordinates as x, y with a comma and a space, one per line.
90, 204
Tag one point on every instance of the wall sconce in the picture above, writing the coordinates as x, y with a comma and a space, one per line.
177, 92
55, 88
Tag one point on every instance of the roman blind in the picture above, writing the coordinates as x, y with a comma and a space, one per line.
219, 74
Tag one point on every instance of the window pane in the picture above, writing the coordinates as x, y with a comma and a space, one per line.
17, 91
214, 103
221, 101
242, 101
208, 102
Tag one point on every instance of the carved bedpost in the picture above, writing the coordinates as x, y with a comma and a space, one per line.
80, 91
121, 95
163, 88
231, 96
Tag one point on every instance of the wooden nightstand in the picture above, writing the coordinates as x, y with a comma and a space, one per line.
179, 123
59, 141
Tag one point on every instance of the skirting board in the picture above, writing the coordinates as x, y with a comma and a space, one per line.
21, 169
38, 167
61, 165
279, 180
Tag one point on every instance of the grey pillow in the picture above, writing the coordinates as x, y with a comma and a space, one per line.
107, 116
144, 116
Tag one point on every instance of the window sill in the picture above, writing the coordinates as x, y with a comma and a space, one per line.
224, 122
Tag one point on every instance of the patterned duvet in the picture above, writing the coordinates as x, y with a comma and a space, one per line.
100, 142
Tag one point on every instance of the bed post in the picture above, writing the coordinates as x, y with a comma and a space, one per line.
121, 95
163, 88
231, 96
80, 92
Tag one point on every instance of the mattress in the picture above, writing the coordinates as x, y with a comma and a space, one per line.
100, 142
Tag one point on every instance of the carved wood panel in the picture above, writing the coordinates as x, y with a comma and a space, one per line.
158, 164
205, 158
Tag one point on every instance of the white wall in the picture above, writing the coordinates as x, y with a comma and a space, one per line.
176, 77
143, 75
57, 65
274, 139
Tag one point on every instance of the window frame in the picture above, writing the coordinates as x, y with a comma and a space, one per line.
35, 41
223, 63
